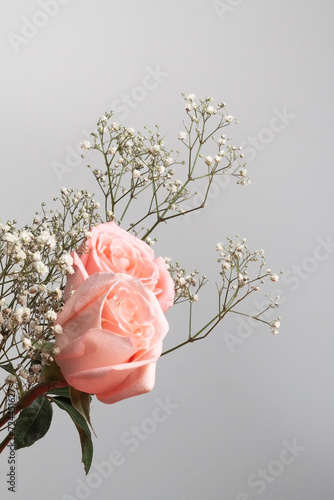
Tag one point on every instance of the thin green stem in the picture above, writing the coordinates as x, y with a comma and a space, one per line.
30, 396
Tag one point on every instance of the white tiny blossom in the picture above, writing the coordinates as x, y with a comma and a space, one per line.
56, 351
66, 259
112, 150
243, 172
208, 160
23, 373
10, 379
58, 329
182, 136
22, 300
35, 368
85, 145
45, 238
41, 268
229, 118
274, 277
25, 314
17, 316
114, 126
160, 169
210, 110
38, 329
10, 237
239, 247
26, 344
20, 255
51, 315
135, 174
26, 236
191, 97
155, 149
218, 158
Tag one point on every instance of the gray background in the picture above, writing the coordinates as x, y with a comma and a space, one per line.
235, 410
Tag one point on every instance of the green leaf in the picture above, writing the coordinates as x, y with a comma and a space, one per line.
83, 429
33, 422
9, 368
61, 391
81, 402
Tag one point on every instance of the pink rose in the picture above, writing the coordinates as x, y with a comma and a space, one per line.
113, 329
111, 248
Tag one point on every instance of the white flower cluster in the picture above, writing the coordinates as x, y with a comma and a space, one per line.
139, 165
233, 155
186, 285
34, 263
244, 272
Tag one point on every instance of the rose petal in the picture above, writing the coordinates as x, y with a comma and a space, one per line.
92, 292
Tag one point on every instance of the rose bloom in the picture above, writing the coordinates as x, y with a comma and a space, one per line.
112, 332
111, 248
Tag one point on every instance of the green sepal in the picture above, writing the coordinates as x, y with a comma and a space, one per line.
9, 368
33, 422
81, 402
83, 429
52, 373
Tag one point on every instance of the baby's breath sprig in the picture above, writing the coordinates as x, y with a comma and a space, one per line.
242, 273
187, 285
139, 166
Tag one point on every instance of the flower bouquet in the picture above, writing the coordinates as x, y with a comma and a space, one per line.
83, 296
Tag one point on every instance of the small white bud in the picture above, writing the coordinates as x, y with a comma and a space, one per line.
274, 277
